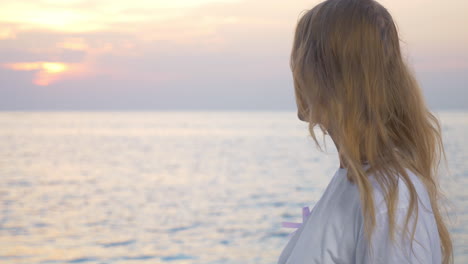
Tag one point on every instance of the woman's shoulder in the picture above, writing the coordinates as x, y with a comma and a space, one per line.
403, 193
346, 193
427, 245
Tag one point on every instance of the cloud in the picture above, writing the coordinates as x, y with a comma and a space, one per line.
73, 44
6, 33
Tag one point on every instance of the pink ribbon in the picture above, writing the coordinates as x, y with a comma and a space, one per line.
305, 215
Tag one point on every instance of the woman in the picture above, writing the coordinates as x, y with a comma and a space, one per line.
350, 79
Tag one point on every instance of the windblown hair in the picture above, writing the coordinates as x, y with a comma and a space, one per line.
351, 80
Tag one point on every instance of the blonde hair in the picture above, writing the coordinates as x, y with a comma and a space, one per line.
350, 79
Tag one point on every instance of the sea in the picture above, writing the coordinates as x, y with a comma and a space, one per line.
175, 186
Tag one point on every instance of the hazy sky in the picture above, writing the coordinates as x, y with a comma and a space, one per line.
196, 54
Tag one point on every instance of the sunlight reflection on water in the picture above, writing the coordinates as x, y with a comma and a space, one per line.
178, 187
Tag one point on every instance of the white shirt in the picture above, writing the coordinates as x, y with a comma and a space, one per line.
334, 231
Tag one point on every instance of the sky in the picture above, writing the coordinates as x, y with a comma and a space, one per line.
196, 54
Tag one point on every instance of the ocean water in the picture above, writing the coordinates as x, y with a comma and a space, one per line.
173, 187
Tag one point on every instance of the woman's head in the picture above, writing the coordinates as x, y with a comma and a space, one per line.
351, 79
345, 55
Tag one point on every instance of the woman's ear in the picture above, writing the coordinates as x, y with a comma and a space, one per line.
302, 108
300, 116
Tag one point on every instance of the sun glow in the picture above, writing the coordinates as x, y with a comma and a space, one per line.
48, 72
49, 67
54, 67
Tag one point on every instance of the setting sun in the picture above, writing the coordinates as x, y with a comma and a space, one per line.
47, 71
49, 67
54, 67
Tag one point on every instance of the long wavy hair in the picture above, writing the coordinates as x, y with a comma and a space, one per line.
351, 81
